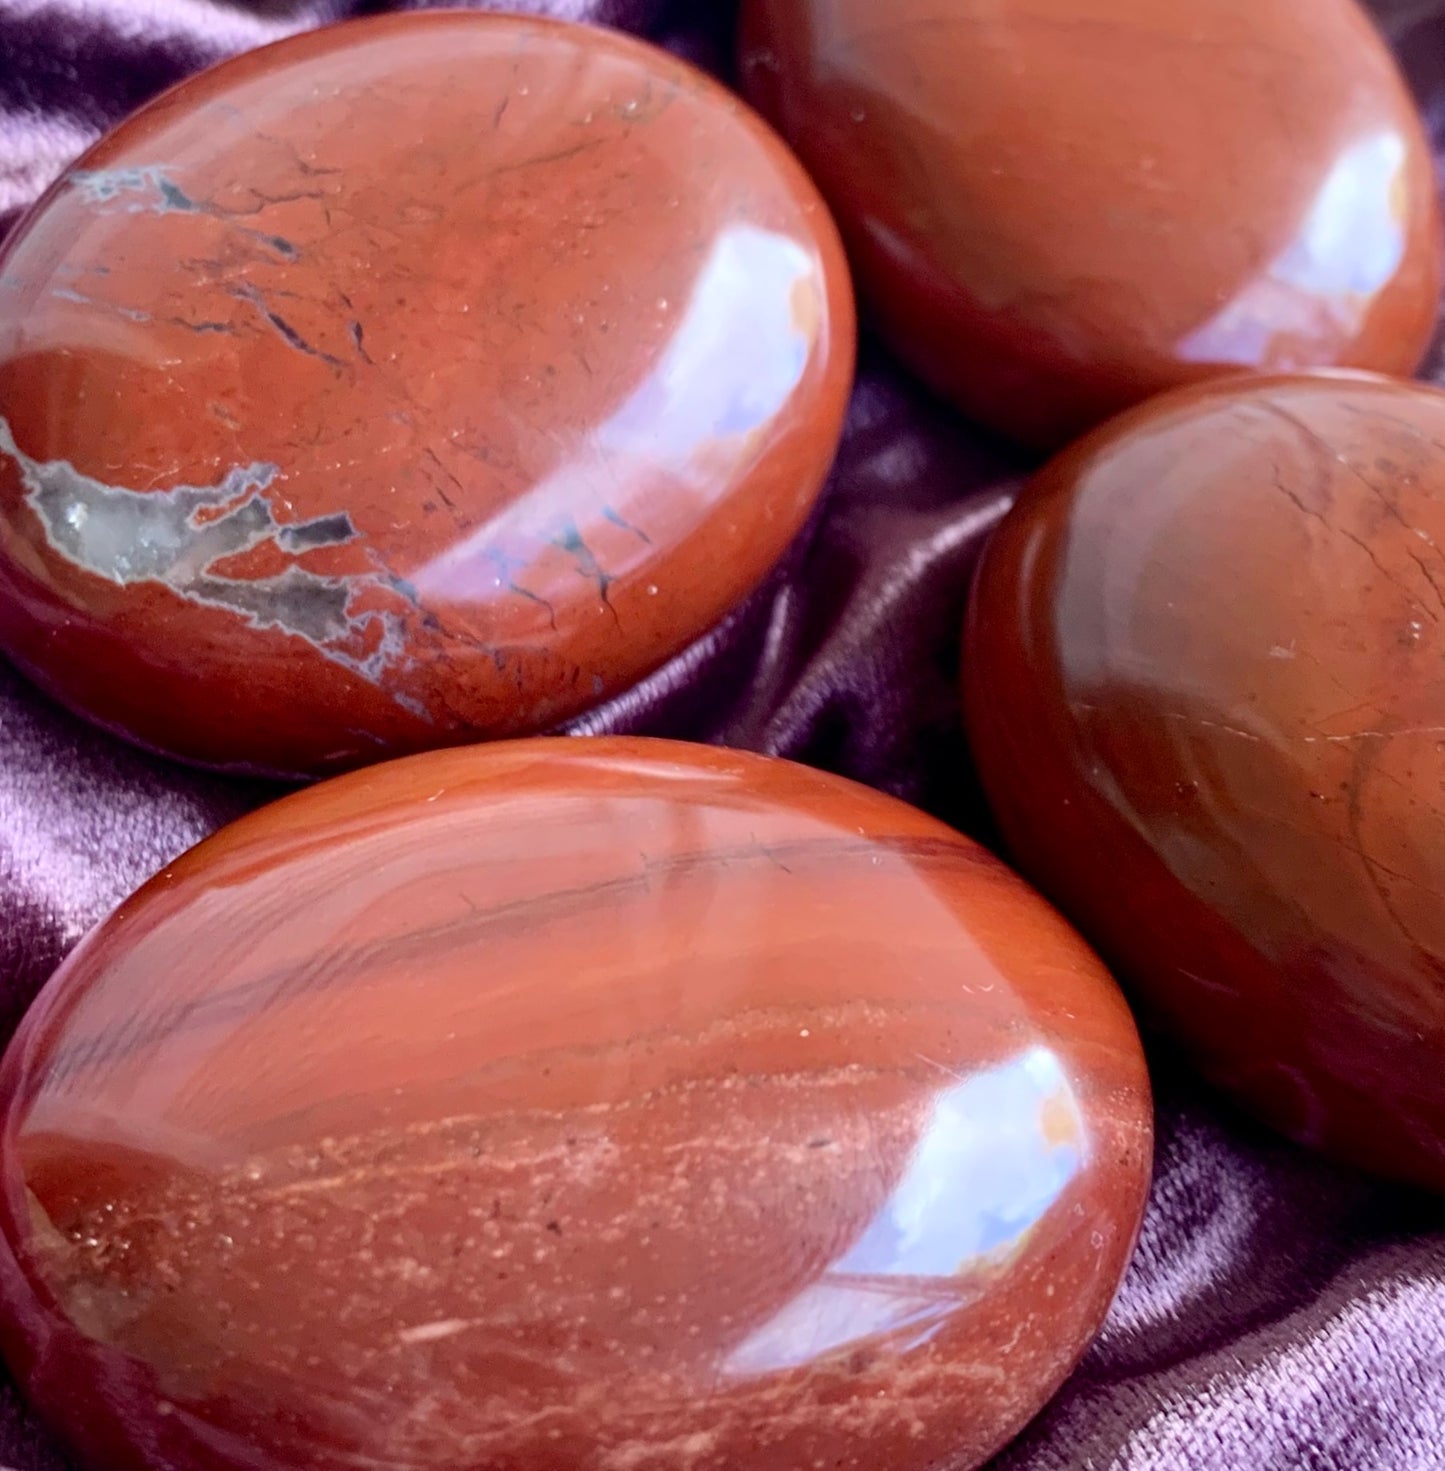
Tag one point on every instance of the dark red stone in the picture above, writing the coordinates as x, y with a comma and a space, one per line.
568, 1106
1205, 673
1059, 207
414, 381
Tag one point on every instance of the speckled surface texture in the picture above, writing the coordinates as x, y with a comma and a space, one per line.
780, 1126
1280, 1314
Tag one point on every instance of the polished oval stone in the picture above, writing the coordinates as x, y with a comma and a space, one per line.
1205, 677
554, 1105
410, 382
1060, 207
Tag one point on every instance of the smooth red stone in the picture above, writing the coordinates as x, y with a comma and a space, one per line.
1204, 686
1057, 208
414, 381
568, 1106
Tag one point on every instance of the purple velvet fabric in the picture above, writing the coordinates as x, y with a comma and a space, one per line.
1281, 1315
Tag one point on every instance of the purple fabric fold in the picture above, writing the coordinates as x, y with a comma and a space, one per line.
1281, 1315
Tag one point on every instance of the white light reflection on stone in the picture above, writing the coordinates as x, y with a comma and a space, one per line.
1348, 248
722, 377
998, 1150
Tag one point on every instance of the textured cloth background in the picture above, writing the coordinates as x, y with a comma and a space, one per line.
1281, 1315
